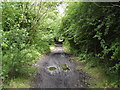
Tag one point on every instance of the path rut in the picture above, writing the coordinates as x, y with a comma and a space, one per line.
64, 74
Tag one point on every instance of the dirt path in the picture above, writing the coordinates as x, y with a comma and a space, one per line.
57, 70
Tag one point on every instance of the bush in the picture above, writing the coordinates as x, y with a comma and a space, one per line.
93, 28
23, 36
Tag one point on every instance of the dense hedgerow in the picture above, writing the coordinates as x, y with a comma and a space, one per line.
93, 32
25, 35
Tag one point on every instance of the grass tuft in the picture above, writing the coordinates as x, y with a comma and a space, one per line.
18, 83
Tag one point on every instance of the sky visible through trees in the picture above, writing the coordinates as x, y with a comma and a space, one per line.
89, 29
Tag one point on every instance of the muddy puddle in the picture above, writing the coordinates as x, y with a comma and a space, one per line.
57, 71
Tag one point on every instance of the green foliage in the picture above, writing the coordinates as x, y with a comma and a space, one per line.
25, 35
92, 30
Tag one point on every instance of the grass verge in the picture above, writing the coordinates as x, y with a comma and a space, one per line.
23, 81
18, 83
97, 74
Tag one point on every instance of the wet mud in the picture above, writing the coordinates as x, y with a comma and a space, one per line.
57, 70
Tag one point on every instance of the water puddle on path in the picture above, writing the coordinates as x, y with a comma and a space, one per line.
64, 67
51, 68
55, 69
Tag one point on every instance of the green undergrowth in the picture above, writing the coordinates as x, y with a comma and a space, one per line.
99, 78
66, 47
18, 83
95, 38
24, 77
27, 33
102, 76
22, 81
52, 47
